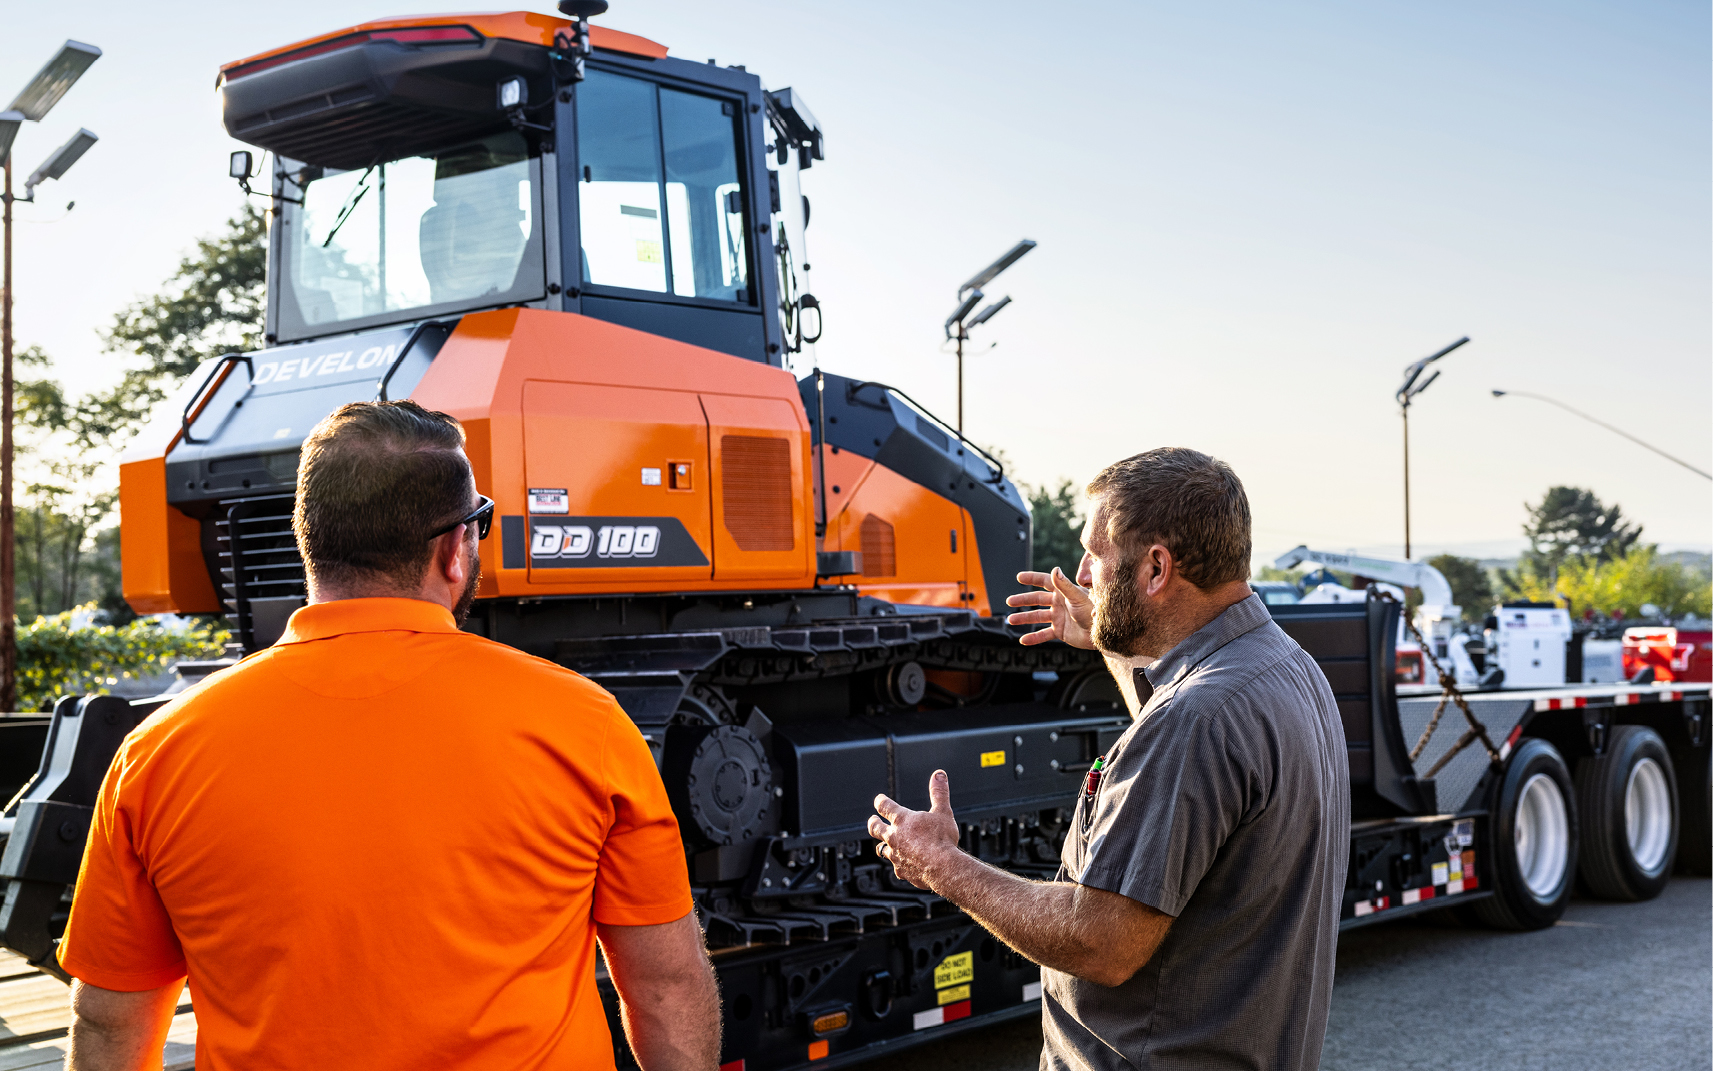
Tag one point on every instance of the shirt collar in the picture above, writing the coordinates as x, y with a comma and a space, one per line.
1235, 620
324, 619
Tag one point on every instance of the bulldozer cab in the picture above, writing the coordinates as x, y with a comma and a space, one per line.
429, 167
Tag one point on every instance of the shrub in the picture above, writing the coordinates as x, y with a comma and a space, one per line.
57, 657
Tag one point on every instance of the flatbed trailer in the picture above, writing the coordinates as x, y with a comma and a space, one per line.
895, 966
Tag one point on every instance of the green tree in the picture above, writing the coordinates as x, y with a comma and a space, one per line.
63, 503
212, 304
1640, 577
1471, 587
1572, 522
1058, 528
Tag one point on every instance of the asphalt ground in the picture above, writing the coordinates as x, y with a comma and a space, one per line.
1610, 986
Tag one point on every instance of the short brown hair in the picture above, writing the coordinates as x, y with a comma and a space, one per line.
1188, 502
374, 481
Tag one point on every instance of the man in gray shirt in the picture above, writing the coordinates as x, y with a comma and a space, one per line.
1194, 918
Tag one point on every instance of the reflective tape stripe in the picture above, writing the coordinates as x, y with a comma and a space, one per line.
1510, 742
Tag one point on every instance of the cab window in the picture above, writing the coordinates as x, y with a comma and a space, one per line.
660, 203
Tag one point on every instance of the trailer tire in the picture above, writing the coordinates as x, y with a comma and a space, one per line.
1534, 841
1627, 798
1694, 771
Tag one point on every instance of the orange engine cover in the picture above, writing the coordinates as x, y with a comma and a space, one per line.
625, 462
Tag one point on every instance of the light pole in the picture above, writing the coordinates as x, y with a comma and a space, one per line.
1608, 427
38, 97
1407, 394
969, 296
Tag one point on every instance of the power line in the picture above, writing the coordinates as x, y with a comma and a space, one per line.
1608, 427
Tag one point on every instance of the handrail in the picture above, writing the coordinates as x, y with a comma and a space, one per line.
220, 363
381, 387
999, 468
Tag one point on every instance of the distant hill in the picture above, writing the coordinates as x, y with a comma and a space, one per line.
1691, 559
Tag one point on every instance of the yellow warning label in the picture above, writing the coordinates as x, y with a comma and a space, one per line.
957, 992
993, 758
648, 252
955, 970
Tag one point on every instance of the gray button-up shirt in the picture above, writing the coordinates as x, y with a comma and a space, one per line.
1227, 806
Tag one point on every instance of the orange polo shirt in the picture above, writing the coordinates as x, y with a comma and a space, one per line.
381, 843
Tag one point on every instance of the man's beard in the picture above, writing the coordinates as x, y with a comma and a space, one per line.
461, 612
1121, 616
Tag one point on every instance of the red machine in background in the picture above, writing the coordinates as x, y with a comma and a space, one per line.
1674, 654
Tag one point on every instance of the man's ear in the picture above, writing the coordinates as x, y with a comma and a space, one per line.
449, 555
1157, 570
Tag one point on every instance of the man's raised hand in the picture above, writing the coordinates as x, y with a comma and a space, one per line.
1070, 609
913, 841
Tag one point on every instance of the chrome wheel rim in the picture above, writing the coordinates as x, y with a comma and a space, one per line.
1647, 815
1542, 836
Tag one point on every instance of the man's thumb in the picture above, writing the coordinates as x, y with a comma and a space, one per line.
1067, 587
940, 793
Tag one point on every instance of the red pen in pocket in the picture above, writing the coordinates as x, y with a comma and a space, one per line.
1091, 788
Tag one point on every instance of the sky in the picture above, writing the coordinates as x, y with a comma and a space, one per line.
1251, 217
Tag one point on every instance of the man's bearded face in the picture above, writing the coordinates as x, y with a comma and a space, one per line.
1122, 614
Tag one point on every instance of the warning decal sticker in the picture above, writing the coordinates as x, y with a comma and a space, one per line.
549, 500
955, 970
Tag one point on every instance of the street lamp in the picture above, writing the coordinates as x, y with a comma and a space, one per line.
36, 100
1608, 427
1407, 394
958, 323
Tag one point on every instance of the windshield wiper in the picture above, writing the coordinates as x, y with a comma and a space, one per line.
350, 205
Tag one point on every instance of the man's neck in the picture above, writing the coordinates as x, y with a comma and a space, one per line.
1188, 616
323, 592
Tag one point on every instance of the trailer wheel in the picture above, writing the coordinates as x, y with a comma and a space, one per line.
1627, 796
1534, 841
1694, 771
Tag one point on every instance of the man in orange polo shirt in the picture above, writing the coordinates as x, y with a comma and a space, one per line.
383, 842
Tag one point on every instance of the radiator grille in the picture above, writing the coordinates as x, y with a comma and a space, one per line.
879, 548
755, 484
260, 574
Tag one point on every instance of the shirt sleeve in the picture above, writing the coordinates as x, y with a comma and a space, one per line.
641, 878
1161, 821
119, 936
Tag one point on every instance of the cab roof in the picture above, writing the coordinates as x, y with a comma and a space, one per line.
528, 27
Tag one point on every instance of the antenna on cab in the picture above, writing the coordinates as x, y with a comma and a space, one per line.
580, 12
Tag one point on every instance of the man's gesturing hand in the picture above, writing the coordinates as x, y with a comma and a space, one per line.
914, 841
1070, 609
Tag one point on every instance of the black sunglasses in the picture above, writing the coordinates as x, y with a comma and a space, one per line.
482, 517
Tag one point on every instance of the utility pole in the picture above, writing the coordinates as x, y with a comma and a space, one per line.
958, 324
8, 575
1407, 394
1406, 413
37, 98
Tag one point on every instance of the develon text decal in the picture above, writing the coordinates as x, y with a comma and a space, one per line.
607, 541
325, 364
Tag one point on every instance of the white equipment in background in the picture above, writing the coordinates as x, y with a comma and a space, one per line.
1436, 618
1602, 661
1531, 645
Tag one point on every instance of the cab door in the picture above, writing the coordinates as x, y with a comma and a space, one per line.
618, 486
